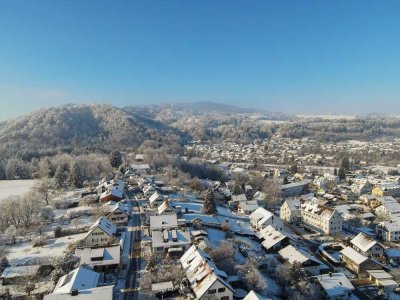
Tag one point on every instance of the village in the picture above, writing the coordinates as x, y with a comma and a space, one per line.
269, 228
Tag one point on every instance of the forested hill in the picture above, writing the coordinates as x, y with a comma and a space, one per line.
74, 128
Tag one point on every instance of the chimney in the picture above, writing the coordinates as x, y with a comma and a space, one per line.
74, 292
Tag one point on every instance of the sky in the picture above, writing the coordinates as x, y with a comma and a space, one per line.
301, 57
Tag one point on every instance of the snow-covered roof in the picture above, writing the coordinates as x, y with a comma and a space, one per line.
260, 213
105, 225
239, 198
170, 238
96, 293
99, 256
78, 279
163, 221
271, 237
155, 197
201, 271
363, 242
20, 271
352, 254
165, 205
252, 295
335, 284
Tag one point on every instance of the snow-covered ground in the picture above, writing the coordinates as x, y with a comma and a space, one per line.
24, 252
10, 188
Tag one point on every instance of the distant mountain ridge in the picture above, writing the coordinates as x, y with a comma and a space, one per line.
103, 127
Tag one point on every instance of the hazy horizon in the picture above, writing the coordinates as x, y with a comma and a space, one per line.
308, 57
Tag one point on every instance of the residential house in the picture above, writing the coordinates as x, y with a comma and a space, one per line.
383, 280
252, 295
310, 264
261, 218
367, 246
272, 239
95, 293
291, 210
76, 281
335, 286
116, 213
388, 231
111, 195
321, 218
389, 209
295, 188
357, 262
103, 260
101, 233
247, 208
387, 189
156, 200
173, 242
163, 222
205, 279
166, 209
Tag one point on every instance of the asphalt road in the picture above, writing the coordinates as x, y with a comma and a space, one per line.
131, 291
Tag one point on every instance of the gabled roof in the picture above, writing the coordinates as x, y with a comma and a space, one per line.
165, 205
271, 237
335, 284
363, 242
201, 271
105, 225
78, 279
260, 213
155, 197
254, 296
292, 254
355, 256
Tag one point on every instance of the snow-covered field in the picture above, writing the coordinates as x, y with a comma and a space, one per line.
24, 252
10, 188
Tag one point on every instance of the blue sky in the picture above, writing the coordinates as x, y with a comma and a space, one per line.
291, 56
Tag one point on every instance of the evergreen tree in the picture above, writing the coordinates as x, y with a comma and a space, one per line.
209, 206
342, 173
116, 159
237, 188
75, 175
335, 172
345, 163
59, 176
294, 169
285, 180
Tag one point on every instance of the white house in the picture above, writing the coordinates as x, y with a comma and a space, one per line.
388, 231
261, 218
101, 233
116, 213
163, 222
321, 218
171, 241
291, 210
367, 246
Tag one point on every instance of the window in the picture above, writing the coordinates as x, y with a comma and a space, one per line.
225, 298
213, 291
221, 290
